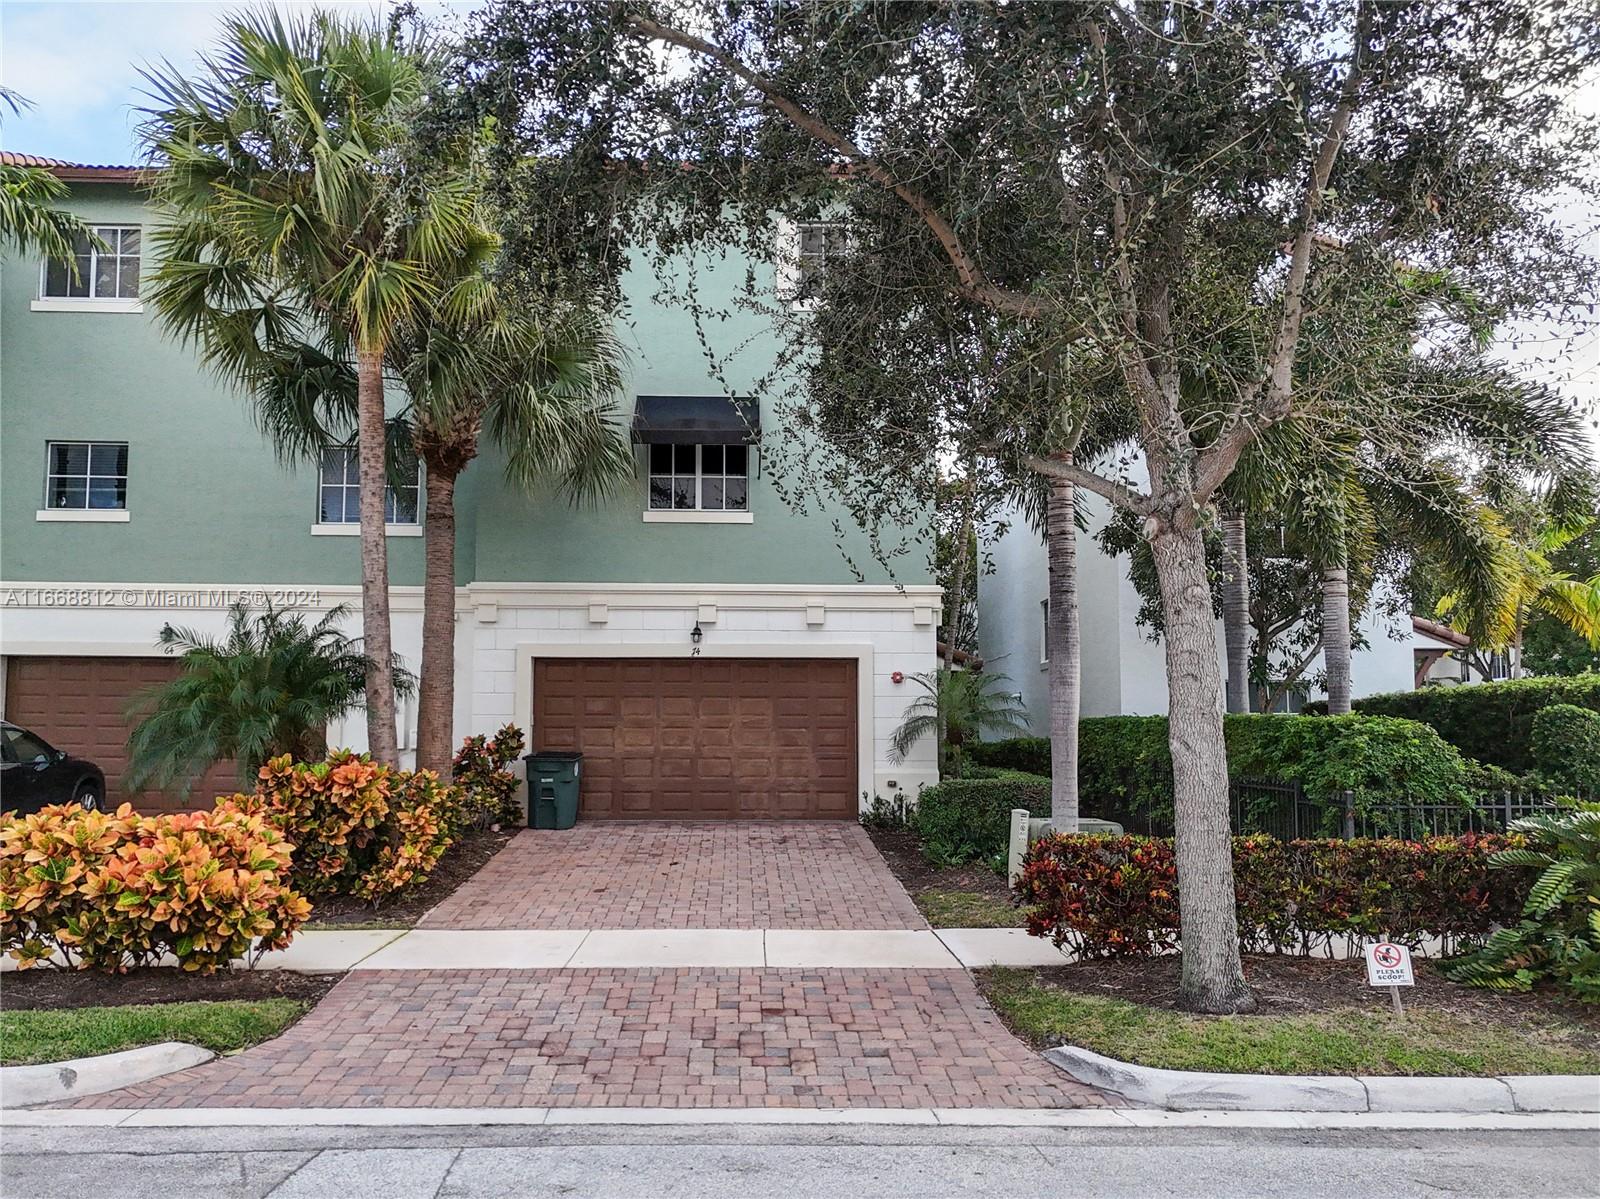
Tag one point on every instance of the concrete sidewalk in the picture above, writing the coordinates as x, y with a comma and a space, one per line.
333, 951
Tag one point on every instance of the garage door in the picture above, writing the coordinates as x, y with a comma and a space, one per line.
80, 705
704, 738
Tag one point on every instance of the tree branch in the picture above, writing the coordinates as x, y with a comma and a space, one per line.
1272, 398
1119, 494
973, 284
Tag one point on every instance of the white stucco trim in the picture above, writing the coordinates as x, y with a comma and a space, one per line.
696, 516
354, 530
528, 652
87, 516
86, 304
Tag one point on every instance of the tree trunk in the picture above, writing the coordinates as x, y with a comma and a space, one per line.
1063, 644
1236, 611
1213, 977
376, 640
436, 692
1336, 637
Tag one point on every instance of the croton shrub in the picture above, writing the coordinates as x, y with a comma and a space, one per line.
482, 769
1118, 896
118, 890
356, 827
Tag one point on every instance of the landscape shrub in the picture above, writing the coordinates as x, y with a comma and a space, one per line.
1492, 722
960, 820
117, 890
482, 770
1565, 741
1118, 896
1558, 936
1125, 764
357, 827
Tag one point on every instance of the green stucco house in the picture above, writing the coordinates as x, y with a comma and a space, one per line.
136, 491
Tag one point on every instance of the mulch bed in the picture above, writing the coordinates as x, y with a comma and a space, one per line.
47, 988
903, 852
460, 862
1287, 985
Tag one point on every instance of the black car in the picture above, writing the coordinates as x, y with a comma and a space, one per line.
34, 774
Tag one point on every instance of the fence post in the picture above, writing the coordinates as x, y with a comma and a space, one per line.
1349, 798
1018, 844
1505, 800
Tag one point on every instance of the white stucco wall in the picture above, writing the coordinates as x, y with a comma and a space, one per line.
500, 628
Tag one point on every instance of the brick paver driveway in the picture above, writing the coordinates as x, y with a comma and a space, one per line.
633, 1038
678, 874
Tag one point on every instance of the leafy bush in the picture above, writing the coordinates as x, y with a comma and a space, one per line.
1118, 896
1125, 763
1565, 740
481, 770
1492, 722
886, 815
1558, 936
962, 819
113, 891
358, 828
271, 686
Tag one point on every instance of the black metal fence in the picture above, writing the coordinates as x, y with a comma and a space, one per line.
1282, 809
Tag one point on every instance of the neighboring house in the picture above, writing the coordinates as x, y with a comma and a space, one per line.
1124, 669
710, 651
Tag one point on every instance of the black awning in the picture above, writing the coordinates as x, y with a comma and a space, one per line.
692, 420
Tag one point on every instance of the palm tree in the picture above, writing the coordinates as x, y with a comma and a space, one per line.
960, 706
542, 389
302, 212
1537, 589
30, 221
271, 686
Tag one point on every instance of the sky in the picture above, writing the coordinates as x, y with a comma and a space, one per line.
78, 62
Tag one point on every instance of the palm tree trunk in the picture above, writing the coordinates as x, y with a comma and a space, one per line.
376, 638
1063, 644
1213, 977
1236, 611
436, 692
1336, 637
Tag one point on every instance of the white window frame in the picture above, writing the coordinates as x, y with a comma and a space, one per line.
789, 273
84, 515
92, 303
697, 514
352, 528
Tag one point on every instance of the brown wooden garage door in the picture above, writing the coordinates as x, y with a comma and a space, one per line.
80, 705
704, 738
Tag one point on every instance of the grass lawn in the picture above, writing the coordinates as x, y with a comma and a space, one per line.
53, 1035
966, 909
1426, 1041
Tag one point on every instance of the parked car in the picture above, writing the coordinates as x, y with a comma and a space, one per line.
34, 774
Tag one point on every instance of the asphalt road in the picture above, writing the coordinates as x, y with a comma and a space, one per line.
794, 1163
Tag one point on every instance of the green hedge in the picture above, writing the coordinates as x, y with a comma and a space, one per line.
1566, 748
1492, 722
1125, 766
959, 820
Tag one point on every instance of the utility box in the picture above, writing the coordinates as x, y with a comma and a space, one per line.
554, 777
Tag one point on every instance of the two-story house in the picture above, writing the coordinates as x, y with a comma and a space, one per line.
711, 652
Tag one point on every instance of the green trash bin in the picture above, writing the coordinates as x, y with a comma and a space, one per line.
553, 777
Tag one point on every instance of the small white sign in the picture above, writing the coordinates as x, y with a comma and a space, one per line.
1389, 965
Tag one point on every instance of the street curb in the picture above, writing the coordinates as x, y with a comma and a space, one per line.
1197, 1090
1102, 1118
51, 1082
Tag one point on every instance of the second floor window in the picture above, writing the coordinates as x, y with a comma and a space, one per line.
86, 475
703, 478
96, 274
339, 491
817, 242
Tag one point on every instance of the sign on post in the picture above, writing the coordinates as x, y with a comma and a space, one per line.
1389, 965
